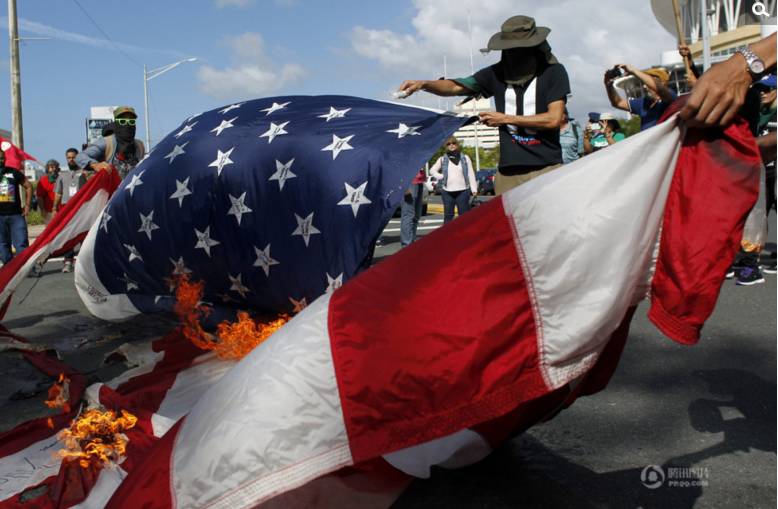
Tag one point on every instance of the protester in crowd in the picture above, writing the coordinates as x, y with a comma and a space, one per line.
120, 149
530, 88
570, 139
721, 90
603, 133
746, 268
13, 222
411, 208
656, 95
44, 191
67, 185
456, 179
688, 62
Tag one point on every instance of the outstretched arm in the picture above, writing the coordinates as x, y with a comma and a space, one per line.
437, 87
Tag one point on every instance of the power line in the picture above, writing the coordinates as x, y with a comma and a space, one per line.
107, 37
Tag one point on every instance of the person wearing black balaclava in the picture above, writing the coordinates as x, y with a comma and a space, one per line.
118, 150
456, 177
530, 89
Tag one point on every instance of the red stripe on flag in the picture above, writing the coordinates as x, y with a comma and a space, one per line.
149, 484
686, 286
48, 242
421, 352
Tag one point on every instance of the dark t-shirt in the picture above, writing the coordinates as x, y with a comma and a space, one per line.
526, 149
10, 197
649, 115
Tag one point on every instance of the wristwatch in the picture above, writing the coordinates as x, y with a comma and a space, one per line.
755, 64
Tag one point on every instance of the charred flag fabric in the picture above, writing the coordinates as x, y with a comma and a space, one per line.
270, 202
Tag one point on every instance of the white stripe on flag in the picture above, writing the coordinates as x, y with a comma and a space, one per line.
616, 194
97, 299
273, 423
28, 467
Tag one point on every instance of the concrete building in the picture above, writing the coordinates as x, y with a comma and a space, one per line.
488, 137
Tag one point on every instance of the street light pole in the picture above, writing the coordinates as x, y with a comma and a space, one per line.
475, 100
150, 75
17, 136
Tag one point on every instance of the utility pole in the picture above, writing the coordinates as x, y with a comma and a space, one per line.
475, 99
17, 137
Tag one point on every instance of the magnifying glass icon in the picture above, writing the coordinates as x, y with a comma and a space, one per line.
759, 9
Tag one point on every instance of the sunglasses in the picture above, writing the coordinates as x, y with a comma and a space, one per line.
451, 143
125, 121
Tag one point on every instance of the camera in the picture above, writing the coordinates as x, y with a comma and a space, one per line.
616, 72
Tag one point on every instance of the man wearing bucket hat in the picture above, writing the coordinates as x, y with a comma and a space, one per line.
120, 149
530, 88
656, 96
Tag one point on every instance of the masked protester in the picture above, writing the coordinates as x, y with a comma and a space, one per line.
530, 88
120, 149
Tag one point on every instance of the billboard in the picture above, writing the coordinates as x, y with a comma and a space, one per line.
99, 117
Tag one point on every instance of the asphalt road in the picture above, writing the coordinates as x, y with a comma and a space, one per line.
710, 407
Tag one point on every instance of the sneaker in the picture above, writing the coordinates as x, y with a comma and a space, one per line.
68, 266
770, 268
747, 276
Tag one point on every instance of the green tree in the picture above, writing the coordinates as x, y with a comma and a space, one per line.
630, 126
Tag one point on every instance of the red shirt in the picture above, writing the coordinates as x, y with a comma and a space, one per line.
45, 193
420, 177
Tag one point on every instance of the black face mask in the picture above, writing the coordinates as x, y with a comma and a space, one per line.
125, 134
455, 156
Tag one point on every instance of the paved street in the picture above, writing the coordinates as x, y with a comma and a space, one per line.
711, 407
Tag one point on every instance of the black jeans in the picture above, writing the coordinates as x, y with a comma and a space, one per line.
460, 199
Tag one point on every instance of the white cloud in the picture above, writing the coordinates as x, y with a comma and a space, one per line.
587, 37
33, 27
251, 74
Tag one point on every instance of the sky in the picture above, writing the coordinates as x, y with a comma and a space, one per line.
81, 53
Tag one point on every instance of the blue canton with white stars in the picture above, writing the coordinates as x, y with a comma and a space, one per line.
271, 202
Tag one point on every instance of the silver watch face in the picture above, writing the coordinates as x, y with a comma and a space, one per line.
757, 66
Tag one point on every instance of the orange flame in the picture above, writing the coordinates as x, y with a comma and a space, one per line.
232, 340
237, 339
96, 437
59, 394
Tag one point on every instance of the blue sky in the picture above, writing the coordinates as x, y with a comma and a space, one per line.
261, 48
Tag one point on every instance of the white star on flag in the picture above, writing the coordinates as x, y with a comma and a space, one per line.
355, 197
177, 151
299, 305
263, 259
147, 225
131, 285
187, 128
135, 181
305, 228
104, 221
226, 124
238, 208
333, 283
204, 240
179, 268
182, 191
338, 145
237, 285
222, 160
283, 173
133, 252
229, 108
333, 114
273, 131
404, 130
275, 107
